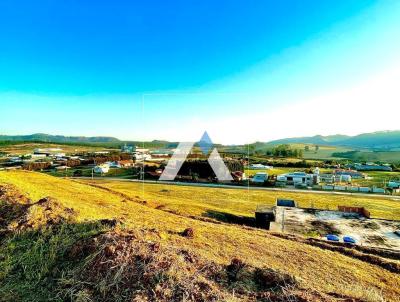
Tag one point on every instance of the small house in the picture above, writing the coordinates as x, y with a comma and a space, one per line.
126, 163
298, 178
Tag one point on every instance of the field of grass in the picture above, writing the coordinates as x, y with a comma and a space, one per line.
374, 156
315, 268
324, 152
378, 178
180, 199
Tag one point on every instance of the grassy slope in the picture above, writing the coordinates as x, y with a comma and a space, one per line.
318, 269
196, 201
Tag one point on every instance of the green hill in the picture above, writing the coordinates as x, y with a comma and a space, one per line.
377, 140
41, 137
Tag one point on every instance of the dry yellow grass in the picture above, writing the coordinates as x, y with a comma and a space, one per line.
197, 201
317, 269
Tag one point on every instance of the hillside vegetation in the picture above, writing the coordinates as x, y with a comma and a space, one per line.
375, 140
41, 137
63, 240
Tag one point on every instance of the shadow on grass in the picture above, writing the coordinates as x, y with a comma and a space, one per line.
230, 218
33, 260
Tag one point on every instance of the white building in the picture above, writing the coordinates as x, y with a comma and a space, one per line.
102, 169
142, 156
299, 178
260, 167
38, 155
47, 151
327, 178
59, 155
343, 178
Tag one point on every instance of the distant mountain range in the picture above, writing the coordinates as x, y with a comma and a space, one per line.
375, 140
58, 138
385, 140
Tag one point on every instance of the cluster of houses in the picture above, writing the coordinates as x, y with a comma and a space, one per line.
144, 154
54, 156
57, 159
105, 167
338, 180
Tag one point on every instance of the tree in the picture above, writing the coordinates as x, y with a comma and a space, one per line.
307, 148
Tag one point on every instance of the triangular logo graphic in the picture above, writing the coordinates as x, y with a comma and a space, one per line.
205, 143
182, 151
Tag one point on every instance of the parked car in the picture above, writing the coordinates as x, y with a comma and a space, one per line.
331, 237
260, 178
348, 239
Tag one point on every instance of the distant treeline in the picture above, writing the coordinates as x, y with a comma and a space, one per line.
347, 154
284, 151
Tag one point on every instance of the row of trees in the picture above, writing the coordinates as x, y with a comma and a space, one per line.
307, 148
285, 151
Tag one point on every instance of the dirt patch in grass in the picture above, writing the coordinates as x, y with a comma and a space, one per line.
17, 212
375, 239
370, 225
324, 228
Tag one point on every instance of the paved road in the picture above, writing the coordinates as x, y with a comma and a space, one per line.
237, 187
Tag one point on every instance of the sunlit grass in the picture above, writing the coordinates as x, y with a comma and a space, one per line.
315, 268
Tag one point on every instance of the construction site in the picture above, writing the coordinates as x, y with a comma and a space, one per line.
351, 222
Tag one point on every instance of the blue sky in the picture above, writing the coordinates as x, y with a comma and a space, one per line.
172, 69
